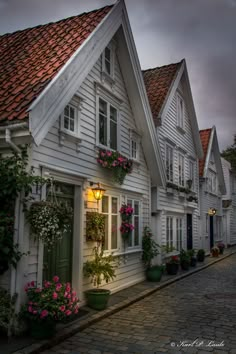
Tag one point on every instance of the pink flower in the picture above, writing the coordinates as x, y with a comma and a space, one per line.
38, 290
68, 296
47, 284
32, 283
54, 295
65, 294
58, 287
30, 309
109, 153
73, 293
35, 312
68, 312
44, 313
62, 308
56, 279
102, 154
76, 311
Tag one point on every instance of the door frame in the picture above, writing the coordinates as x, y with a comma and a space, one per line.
211, 231
187, 223
77, 252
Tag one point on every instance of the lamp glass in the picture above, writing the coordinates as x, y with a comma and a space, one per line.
98, 192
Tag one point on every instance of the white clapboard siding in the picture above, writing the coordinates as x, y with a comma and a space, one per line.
50, 153
184, 144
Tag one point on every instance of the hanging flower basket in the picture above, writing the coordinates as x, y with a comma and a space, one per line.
126, 228
117, 163
49, 221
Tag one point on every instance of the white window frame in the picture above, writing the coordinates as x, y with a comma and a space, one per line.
131, 244
192, 167
212, 182
110, 46
115, 102
109, 213
169, 157
180, 111
181, 170
76, 105
179, 233
134, 140
169, 231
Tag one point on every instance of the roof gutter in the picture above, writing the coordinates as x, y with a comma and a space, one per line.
8, 129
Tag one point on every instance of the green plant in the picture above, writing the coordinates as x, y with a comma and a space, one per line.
7, 311
95, 227
101, 267
167, 248
54, 301
49, 221
149, 246
201, 252
119, 164
184, 256
15, 180
191, 253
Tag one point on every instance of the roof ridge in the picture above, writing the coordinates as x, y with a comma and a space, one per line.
55, 22
164, 66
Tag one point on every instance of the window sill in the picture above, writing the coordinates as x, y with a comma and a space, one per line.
66, 135
180, 129
135, 162
105, 77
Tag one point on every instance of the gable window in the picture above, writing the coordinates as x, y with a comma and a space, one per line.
108, 120
69, 119
108, 61
134, 240
180, 111
212, 182
169, 232
192, 174
169, 163
134, 145
181, 170
109, 207
179, 233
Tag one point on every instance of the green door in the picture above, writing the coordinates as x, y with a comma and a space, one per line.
58, 261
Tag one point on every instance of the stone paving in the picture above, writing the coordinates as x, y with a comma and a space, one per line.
194, 315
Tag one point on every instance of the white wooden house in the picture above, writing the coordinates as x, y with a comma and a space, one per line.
229, 204
175, 206
212, 187
78, 86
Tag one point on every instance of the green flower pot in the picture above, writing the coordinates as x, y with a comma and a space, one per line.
42, 329
97, 299
154, 273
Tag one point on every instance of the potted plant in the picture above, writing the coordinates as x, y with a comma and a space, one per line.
99, 268
184, 260
215, 251
221, 247
193, 258
150, 250
201, 255
46, 306
172, 265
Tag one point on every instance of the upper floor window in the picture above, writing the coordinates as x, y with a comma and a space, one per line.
180, 111
192, 174
108, 61
181, 170
109, 207
179, 233
69, 119
134, 145
212, 182
108, 120
169, 232
169, 163
134, 240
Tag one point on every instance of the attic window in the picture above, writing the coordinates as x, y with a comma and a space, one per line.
180, 112
108, 63
69, 118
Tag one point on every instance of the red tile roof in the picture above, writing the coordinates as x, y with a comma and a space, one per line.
205, 138
32, 57
158, 82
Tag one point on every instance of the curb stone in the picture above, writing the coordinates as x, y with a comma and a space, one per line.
67, 332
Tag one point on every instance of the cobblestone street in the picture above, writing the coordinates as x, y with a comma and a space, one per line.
200, 308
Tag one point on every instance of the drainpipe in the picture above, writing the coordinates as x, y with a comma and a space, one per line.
9, 141
8, 129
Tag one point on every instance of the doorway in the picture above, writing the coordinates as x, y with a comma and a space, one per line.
189, 231
211, 232
58, 261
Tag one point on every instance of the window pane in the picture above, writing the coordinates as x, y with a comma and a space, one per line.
108, 54
113, 135
105, 204
107, 67
114, 205
136, 208
136, 230
114, 228
106, 233
66, 111
72, 112
102, 107
66, 123
72, 125
113, 114
102, 130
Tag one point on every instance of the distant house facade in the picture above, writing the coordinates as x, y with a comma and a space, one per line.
175, 206
90, 96
229, 204
212, 187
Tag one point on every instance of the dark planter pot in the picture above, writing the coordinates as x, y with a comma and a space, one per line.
154, 273
97, 299
3, 266
193, 261
172, 268
221, 250
185, 265
200, 257
43, 329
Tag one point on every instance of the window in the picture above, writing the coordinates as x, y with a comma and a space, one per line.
180, 111
192, 173
108, 120
169, 163
108, 61
212, 182
207, 222
181, 170
134, 151
109, 207
169, 232
134, 240
69, 119
179, 233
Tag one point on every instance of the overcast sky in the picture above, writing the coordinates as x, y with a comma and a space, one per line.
165, 31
